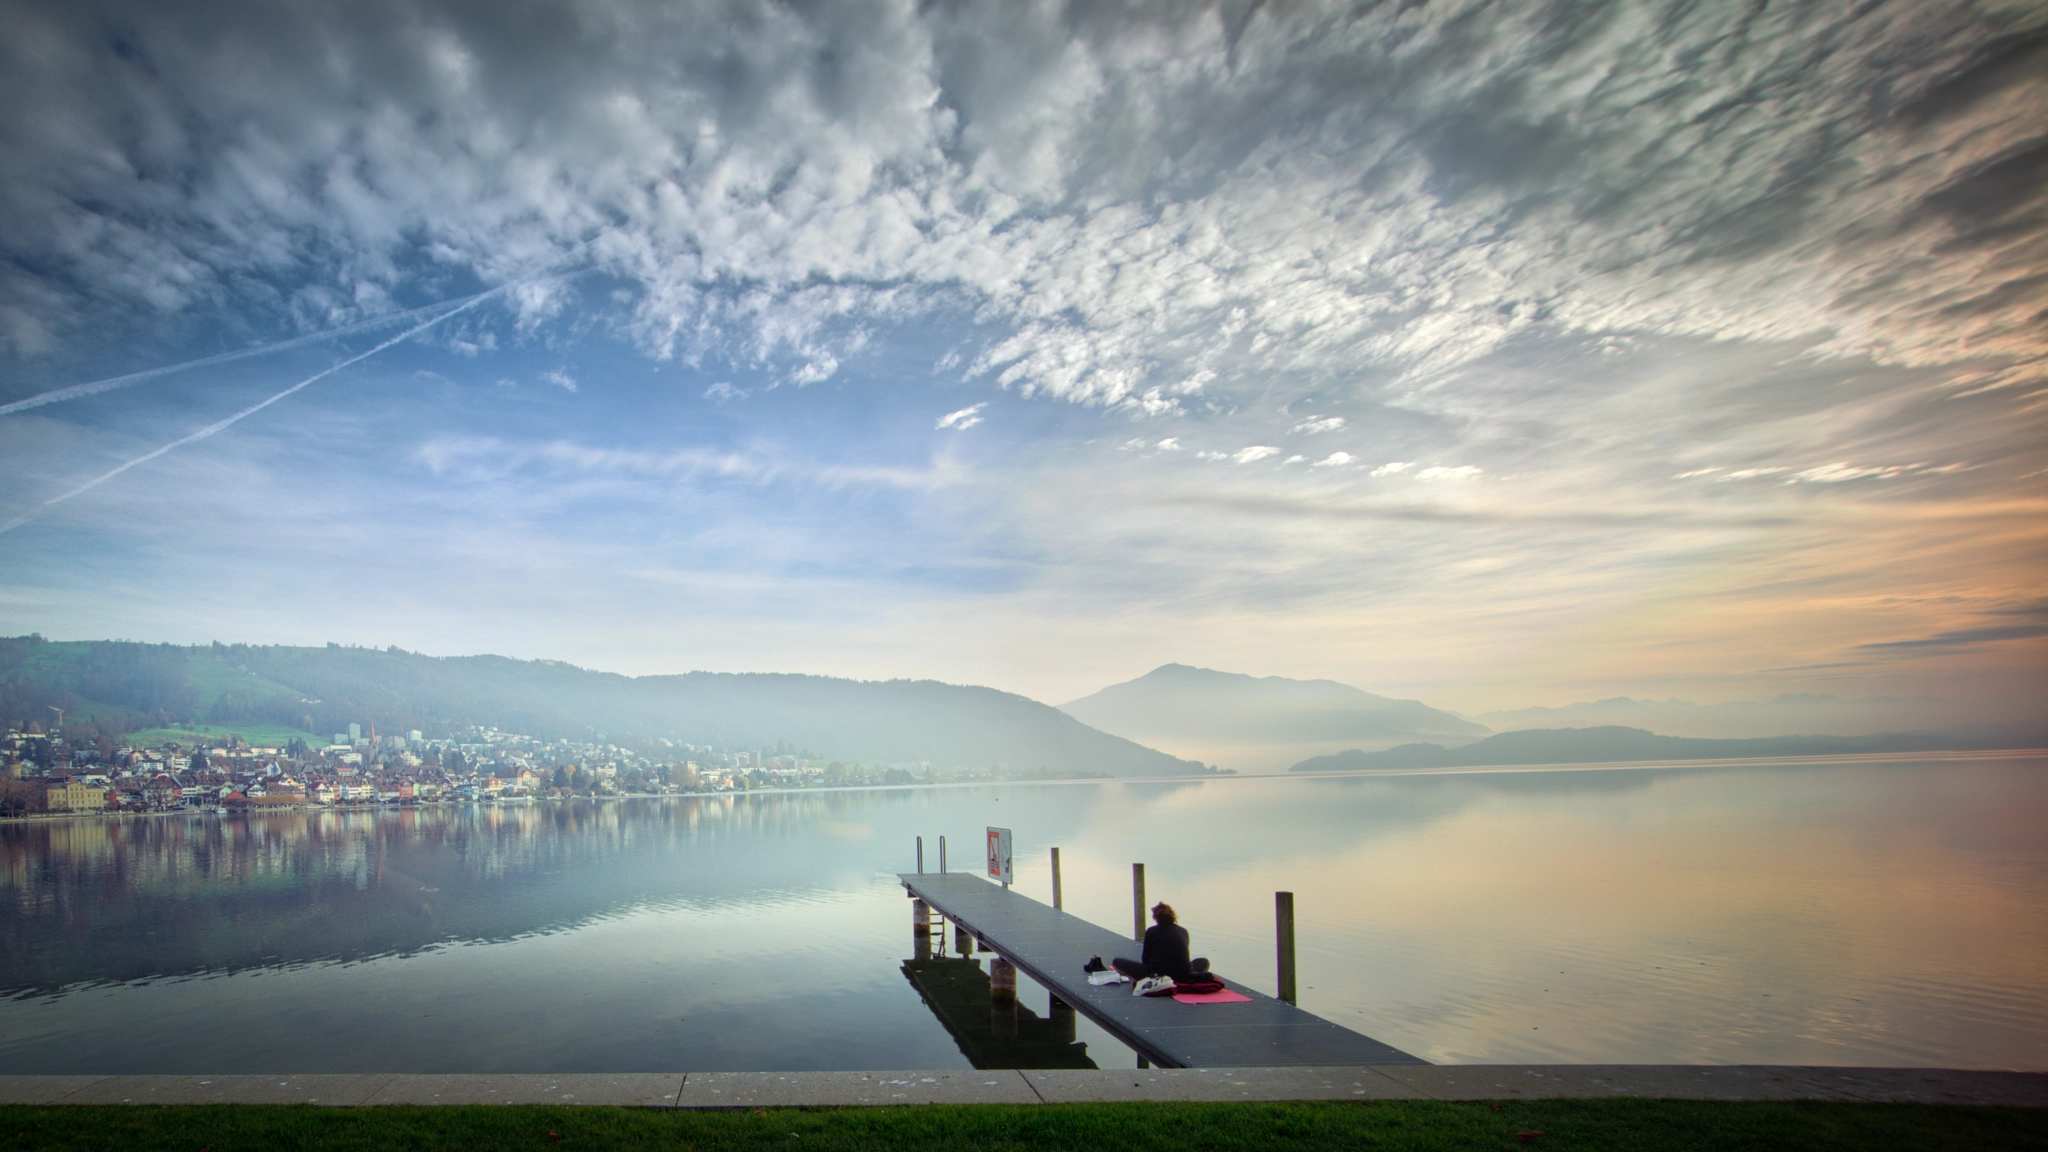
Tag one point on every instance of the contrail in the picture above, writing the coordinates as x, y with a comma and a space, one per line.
251, 410
94, 387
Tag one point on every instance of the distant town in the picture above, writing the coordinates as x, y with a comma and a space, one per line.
224, 773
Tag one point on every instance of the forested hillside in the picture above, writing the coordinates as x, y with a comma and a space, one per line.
115, 687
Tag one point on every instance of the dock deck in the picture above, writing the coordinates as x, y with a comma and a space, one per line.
1050, 946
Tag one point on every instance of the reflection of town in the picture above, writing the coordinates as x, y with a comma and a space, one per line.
84, 901
45, 775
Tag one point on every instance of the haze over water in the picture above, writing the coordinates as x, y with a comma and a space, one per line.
1891, 913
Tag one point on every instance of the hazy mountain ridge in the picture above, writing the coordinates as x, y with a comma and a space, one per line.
1244, 721
1612, 744
1784, 715
322, 690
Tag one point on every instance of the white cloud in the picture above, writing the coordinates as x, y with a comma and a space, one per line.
1145, 206
1169, 444
560, 379
1393, 468
1695, 472
1336, 460
490, 460
1462, 472
1255, 452
1749, 474
964, 419
1837, 473
724, 391
1316, 424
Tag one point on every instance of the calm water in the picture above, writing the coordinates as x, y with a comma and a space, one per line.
1880, 913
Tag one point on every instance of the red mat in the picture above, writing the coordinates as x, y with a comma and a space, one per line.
1224, 997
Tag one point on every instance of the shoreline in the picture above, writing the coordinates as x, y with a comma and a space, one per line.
1960, 755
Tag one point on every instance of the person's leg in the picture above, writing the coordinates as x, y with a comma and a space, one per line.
1132, 968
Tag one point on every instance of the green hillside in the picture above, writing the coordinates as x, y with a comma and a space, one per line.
319, 691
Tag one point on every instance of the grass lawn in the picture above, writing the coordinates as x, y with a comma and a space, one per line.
258, 735
1412, 1126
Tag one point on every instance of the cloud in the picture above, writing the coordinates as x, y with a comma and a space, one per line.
1336, 460
1255, 452
1393, 468
2022, 623
1838, 473
560, 379
723, 392
1316, 424
1462, 472
1144, 206
963, 419
490, 461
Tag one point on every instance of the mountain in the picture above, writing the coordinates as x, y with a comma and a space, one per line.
1256, 723
1608, 745
1784, 715
119, 686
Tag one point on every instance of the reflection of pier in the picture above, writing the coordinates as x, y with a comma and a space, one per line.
1050, 946
992, 1031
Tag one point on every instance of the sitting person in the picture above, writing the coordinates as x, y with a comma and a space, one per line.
1166, 952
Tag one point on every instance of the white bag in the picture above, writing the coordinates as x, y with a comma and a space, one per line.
1151, 984
1107, 976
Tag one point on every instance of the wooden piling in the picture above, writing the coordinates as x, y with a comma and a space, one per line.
920, 930
1059, 1017
942, 855
920, 855
1056, 878
1283, 934
1138, 901
1002, 980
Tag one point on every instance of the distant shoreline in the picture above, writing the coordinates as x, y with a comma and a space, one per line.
759, 793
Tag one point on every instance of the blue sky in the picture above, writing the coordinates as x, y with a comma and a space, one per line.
1496, 354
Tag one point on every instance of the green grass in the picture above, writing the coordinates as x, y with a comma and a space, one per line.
1410, 1126
258, 735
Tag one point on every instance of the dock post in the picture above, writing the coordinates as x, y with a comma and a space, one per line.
920, 855
1056, 878
1060, 1020
1138, 901
920, 930
962, 943
1002, 998
1283, 932
942, 855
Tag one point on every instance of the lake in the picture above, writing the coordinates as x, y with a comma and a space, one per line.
1873, 913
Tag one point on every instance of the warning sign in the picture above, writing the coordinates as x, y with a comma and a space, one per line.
999, 855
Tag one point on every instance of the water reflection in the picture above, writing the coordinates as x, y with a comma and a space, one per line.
993, 1034
1855, 913
116, 900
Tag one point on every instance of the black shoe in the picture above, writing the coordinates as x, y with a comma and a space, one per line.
1094, 964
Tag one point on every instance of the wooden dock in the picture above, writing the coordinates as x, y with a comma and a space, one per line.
1050, 946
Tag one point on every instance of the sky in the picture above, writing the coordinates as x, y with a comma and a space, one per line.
1493, 354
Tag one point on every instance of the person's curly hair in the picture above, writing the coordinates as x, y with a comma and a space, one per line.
1163, 913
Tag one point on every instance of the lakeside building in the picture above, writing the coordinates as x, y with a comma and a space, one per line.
74, 796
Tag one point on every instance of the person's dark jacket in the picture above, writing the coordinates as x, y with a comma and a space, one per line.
1166, 951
